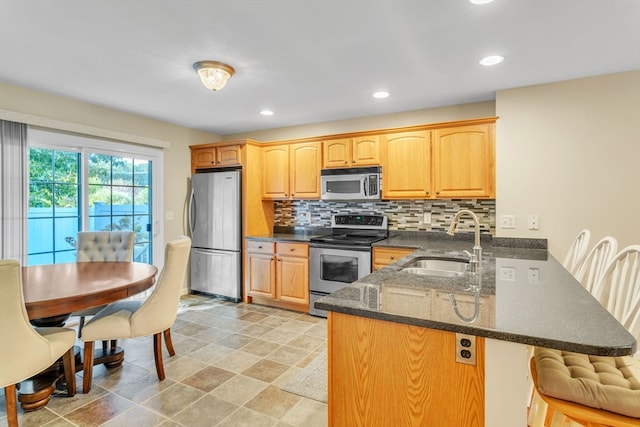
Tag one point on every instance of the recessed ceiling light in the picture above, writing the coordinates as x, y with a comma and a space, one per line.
480, 1
266, 112
491, 60
381, 94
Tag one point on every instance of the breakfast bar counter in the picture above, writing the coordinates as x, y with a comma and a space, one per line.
442, 348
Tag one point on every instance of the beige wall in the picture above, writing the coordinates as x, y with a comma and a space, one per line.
566, 151
410, 118
570, 152
47, 110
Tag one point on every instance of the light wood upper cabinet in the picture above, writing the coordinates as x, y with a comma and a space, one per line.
347, 152
305, 162
406, 165
336, 153
463, 161
291, 171
228, 155
365, 150
215, 156
275, 172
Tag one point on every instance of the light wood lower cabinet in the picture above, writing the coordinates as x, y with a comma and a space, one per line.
388, 255
278, 273
390, 374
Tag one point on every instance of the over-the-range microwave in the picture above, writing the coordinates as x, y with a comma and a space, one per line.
351, 183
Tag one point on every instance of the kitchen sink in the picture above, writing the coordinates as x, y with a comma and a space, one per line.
443, 267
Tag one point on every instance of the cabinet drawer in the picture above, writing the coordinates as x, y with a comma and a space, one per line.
386, 256
293, 249
260, 247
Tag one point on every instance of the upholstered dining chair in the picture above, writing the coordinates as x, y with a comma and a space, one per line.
92, 246
577, 251
131, 319
597, 391
27, 351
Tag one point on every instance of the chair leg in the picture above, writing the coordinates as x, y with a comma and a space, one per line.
69, 362
80, 326
157, 352
87, 367
11, 404
168, 342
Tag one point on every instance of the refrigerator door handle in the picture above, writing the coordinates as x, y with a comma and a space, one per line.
192, 200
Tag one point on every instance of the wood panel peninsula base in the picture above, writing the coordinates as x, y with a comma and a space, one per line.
390, 374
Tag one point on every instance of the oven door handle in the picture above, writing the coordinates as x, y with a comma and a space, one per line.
340, 247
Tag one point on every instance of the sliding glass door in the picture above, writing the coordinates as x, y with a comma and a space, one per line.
91, 185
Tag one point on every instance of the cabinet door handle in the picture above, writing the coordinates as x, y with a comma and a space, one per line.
292, 249
260, 247
354, 161
392, 257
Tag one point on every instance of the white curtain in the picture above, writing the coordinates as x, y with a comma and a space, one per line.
14, 190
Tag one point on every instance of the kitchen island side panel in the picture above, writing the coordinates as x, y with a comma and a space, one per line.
383, 373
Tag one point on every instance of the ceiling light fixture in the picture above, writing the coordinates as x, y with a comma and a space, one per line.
381, 94
480, 1
491, 60
266, 112
213, 74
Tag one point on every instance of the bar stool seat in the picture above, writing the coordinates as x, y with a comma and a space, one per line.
589, 388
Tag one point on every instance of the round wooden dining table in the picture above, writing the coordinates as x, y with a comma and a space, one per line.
59, 289
53, 291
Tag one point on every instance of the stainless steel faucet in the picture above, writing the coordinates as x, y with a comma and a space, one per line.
476, 256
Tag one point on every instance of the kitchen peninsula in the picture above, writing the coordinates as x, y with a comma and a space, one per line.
413, 350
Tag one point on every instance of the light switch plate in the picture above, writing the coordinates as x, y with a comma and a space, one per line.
507, 221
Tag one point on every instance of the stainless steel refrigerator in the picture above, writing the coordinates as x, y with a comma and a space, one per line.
215, 224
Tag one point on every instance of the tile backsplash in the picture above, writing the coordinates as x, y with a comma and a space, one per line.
405, 215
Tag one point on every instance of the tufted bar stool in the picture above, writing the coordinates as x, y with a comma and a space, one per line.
100, 246
591, 390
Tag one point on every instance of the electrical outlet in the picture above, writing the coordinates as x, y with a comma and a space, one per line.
534, 275
534, 224
426, 218
466, 349
507, 221
169, 216
508, 274
307, 216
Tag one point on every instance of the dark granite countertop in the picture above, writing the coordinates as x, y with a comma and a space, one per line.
535, 300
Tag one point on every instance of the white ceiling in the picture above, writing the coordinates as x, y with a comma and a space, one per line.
307, 60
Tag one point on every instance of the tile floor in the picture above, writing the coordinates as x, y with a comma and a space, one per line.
231, 360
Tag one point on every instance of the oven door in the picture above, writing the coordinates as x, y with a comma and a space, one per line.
333, 267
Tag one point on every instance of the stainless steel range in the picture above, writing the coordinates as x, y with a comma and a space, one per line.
343, 256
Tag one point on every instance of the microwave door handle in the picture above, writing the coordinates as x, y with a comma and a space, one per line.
366, 179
